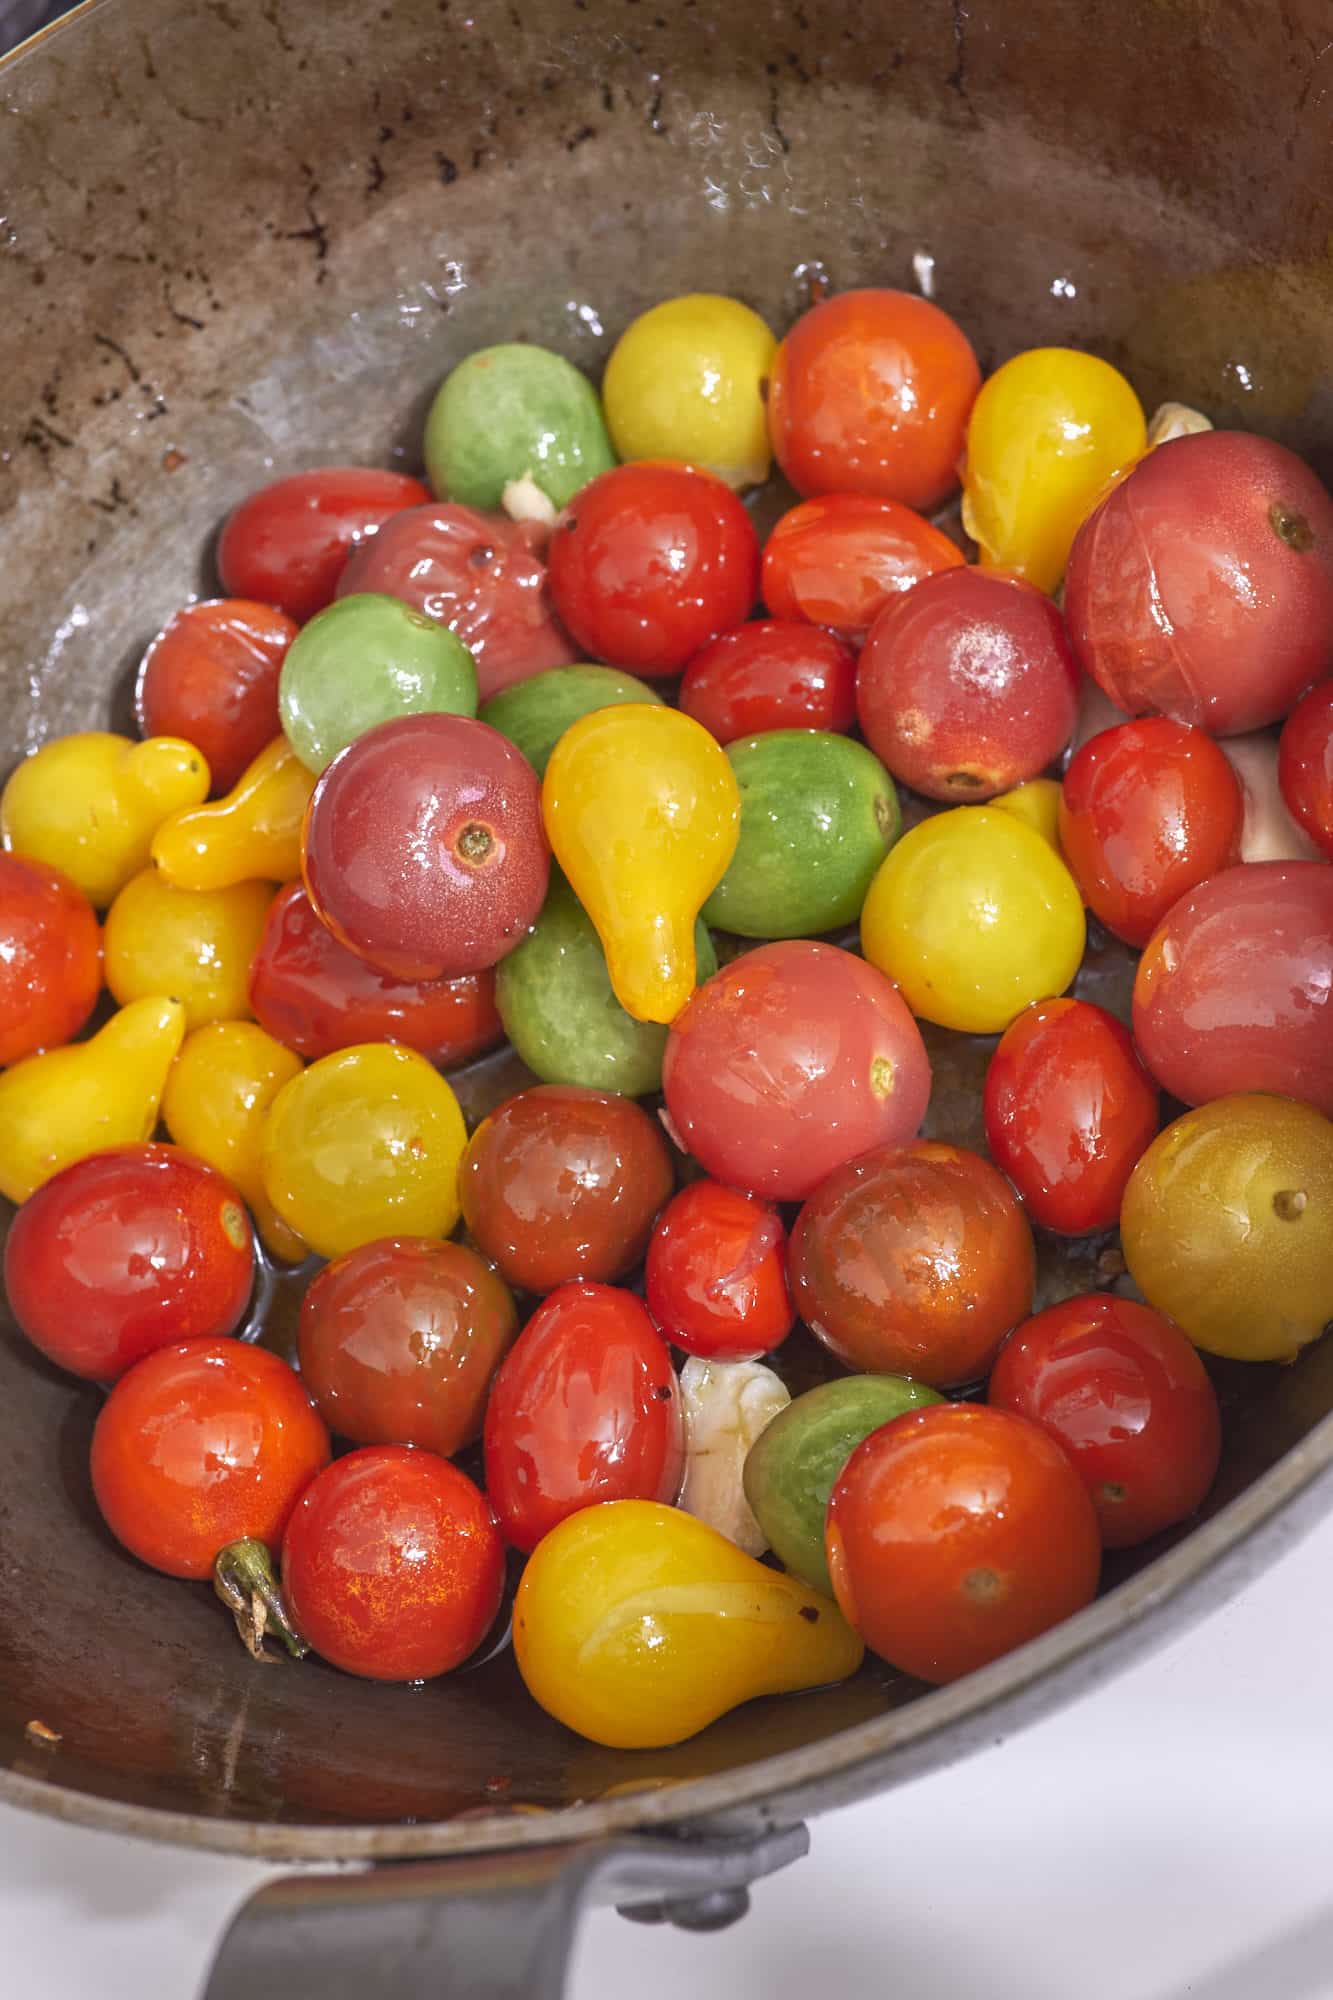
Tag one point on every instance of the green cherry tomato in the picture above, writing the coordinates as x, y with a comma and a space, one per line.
511, 410
369, 659
534, 714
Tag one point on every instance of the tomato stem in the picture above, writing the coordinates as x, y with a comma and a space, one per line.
243, 1578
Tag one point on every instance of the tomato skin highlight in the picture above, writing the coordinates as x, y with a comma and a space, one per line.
584, 1409
286, 543
716, 1276
1122, 1390
1069, 1109
841, 559
772, 673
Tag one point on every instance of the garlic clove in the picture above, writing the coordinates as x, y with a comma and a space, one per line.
726, 1405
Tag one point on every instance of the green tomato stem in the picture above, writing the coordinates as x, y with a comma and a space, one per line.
243, 1578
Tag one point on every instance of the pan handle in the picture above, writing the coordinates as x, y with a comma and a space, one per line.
486, 1926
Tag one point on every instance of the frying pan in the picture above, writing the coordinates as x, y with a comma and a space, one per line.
240, 237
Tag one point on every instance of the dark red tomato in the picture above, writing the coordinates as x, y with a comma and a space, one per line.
966, 686
399, 1341
1235, 989
840, 559
211, 676
1305, 765
482, 575
392, 1566
124, 1252
585, 1408
870, 393
424, 850
913, 1260
1148, 810
955, 1534
287, 543
310, 992
1069, 1109
792, 1059
1202, 587
1126, 1395
199, 1445
716, 1278
651, 561
771, 674
50, 958
562, 1183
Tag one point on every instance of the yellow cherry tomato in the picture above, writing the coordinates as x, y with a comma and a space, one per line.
217, 1099
59, 1107
687, 379
90, 804
1048, 434
974, 917
643, 813
254, 831
364, 1143
637, 1626
1037, 804
195, 945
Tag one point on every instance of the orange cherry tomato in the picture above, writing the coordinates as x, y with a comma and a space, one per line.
211, 676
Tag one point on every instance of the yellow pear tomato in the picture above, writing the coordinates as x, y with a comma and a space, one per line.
89, 804
255, 831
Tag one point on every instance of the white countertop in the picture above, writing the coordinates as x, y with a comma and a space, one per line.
1168, 1838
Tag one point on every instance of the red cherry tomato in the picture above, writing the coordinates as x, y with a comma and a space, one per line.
1305, 765
424, 850
1148, 810
1235, 989
870, 393
211, 676
1126, 1395
955, 1534
771, 674
966, 686
789, 1061
1202, 587
716, 1278
840, 559
50, 958
399, 1341
562, 1183
200, 1445
125, 1251
310, 992
287, 543
913, 1260
482, 575
1069, 1108
585, 1408
651, 561
392, 1566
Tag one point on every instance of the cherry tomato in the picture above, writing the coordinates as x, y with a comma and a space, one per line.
310, 992
50, 958
392, 1566
1069, 1109
194, 944
716, 1278
399, 1341
199, 1445
955, 1534
125, 1251
585, 1408
216, 1103
1305, 765
966, 686
287, 543
840, 559
562, 1183
1202, 587
424, 848
211, 676
1148, 810
1235, 989
789, 1061
870, 394
1125, 1394
651, 561
482, 575
913, 1260
773, 673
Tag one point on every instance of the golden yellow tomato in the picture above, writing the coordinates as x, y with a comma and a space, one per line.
216, 1101
1037, 804
196, 945
687, 380
255, 832
974, 917
89, 804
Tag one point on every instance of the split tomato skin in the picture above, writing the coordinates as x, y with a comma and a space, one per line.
287, 543
772, 673
716, 1275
